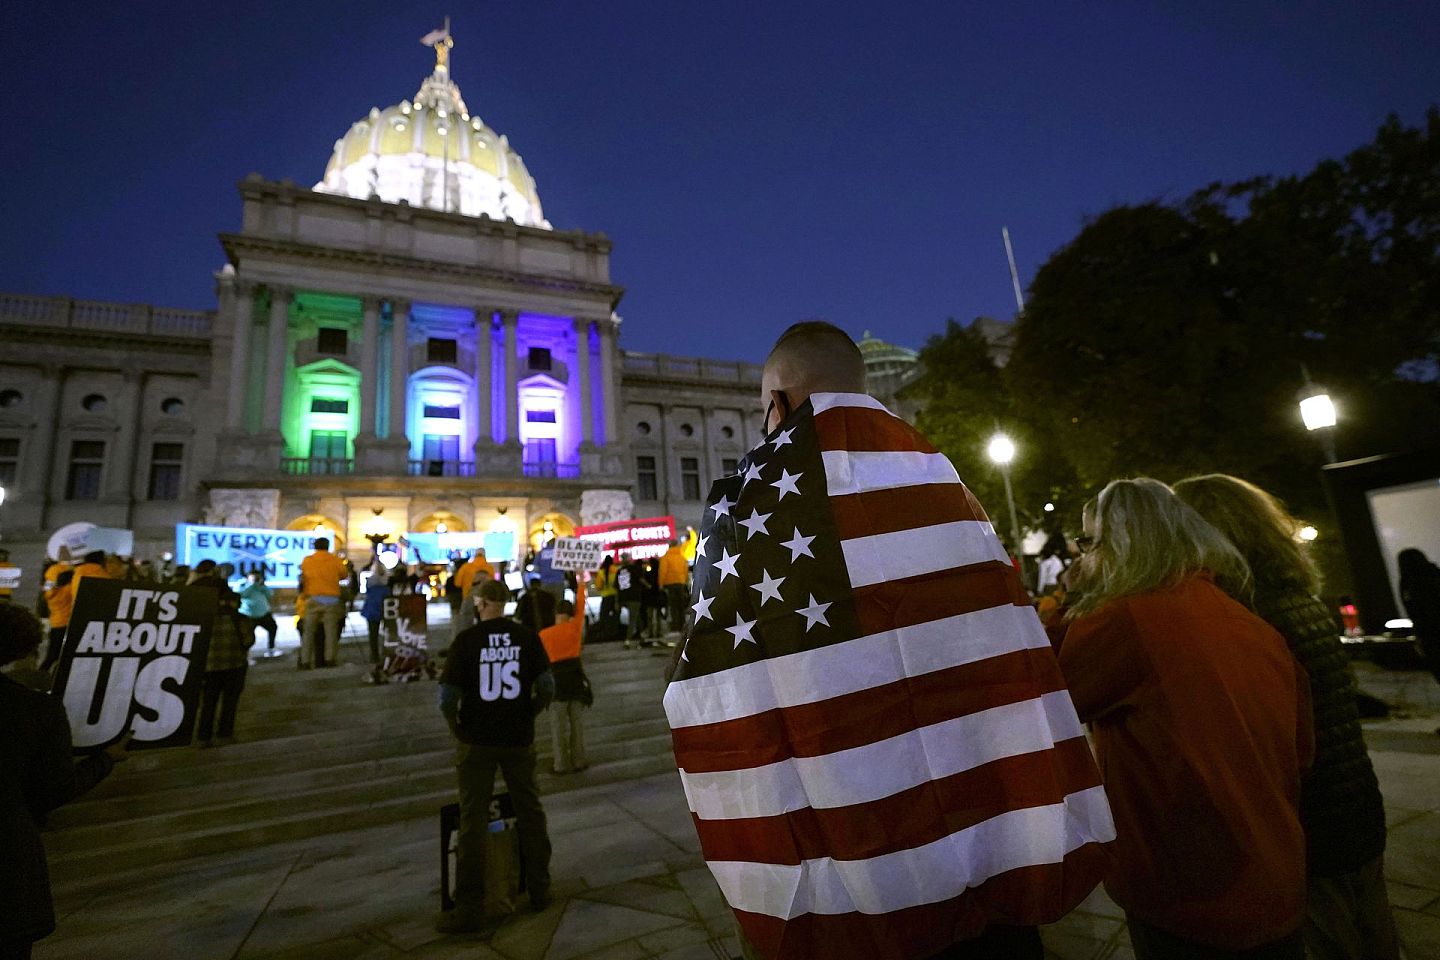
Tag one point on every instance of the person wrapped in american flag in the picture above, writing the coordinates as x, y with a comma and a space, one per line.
874, 738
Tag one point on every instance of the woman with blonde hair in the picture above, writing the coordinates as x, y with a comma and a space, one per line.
1348, 915
1201, 723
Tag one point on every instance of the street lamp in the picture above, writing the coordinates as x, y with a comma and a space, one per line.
1317, 411
377, 531
1002, 451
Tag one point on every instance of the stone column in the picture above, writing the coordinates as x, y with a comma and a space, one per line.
42, 449
484, 385
243, 329
511, 319
582, 377
369, 365
399, 367
608, 380
120, 475
279, 346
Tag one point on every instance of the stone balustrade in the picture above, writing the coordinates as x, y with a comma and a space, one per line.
25, 310
691, 368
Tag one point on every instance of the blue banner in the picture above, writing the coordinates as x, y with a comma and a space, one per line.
277, 552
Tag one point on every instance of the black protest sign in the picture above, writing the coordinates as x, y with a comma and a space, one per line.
134, 660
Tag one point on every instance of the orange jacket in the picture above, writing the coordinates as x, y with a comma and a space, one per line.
673, 568
1202, 724
472, 568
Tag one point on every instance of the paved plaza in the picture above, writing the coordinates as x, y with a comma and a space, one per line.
629, 880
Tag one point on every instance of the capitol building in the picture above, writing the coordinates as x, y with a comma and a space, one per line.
408, 343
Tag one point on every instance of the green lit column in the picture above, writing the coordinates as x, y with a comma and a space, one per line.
399, 368
369, 365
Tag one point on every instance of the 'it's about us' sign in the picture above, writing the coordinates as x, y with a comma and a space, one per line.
134, 661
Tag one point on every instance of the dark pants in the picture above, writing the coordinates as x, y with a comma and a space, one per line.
374, 627
53, 647
675, 597
475, 769
1152, 943
998, 942
610, 608
268, 622
220, 685
637, 621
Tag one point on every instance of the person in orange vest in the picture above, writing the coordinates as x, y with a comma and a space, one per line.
476, 566
563, 644
59, 601
675, 581
92, 566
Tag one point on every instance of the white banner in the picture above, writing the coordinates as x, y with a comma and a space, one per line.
573, 553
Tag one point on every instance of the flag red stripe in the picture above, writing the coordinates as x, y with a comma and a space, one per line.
949, 593
1026, 896
867, 716
903, 508
860, 429
883, 826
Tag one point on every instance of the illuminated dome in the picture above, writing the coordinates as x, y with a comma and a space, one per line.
432, 152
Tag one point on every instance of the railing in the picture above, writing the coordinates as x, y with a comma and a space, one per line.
561, 471
691, 368
441, 468
137, 318
316, 466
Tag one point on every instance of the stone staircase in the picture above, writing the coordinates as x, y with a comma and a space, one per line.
321, 752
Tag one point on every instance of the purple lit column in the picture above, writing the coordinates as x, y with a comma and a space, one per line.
582, 369
511, 319
484, 420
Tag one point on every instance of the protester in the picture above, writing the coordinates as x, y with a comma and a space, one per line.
497, 679
536, 606
320, 576
675, 581
606, 589
1054, 558
255, 608
551, 579
1202, 723
38, 773
873, 735
1348, 916
227, 661
7, 593
92, 565
59, 603
630, 591
454, 594
476, 567
1420, 591
377, 591
563, 643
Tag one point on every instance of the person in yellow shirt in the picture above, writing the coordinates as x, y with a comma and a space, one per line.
92, 566
476, 567
572, 688
6, 593
60, 601
320, 577
675, 581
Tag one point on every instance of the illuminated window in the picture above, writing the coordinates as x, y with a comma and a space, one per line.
87, 465
729, 465
9, 460
540, 452
434, 412
440, 451
332, 340
690, 477
441, 351
166, 460
540, 416
539, 358
645, 478
326, 447
329, 405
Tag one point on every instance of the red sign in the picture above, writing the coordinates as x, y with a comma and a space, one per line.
639, 538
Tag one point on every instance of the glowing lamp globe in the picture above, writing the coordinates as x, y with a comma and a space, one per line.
1318, 411
1001, 449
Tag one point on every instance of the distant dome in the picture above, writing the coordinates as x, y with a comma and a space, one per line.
416, 149
883, 358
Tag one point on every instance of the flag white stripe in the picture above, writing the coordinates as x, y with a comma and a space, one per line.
821, 402
843, 668
877, 770
858, 472
912, 553
936, 871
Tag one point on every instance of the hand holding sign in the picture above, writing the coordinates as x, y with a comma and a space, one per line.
573, 553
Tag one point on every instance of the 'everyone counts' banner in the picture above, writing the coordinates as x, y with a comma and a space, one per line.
275, 552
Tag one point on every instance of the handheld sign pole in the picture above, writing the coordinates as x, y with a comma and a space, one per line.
134, 661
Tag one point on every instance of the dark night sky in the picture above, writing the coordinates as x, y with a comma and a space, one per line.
754, 163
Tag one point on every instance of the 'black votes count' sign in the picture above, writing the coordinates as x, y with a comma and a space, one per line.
134, 660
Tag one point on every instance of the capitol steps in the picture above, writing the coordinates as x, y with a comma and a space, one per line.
320, 752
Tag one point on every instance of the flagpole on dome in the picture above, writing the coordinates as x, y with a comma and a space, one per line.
441, 40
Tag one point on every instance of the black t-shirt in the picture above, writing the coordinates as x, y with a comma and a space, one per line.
495, 663
630, 582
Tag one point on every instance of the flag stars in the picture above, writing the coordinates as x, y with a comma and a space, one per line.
726, 564
742, 631
752, 472
700, 546
756, 523
786, 483
722, 506
702, 607
782, 438
768, 586
799, 546
815, 613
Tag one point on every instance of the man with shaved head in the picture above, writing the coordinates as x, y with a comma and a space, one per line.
877, 747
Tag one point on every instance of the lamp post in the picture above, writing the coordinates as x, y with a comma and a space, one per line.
1002, 451
377, 531
1317, 411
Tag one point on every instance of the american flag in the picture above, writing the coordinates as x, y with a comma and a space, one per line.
872, 731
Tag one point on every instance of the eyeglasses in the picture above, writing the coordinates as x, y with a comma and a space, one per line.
1086, 543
